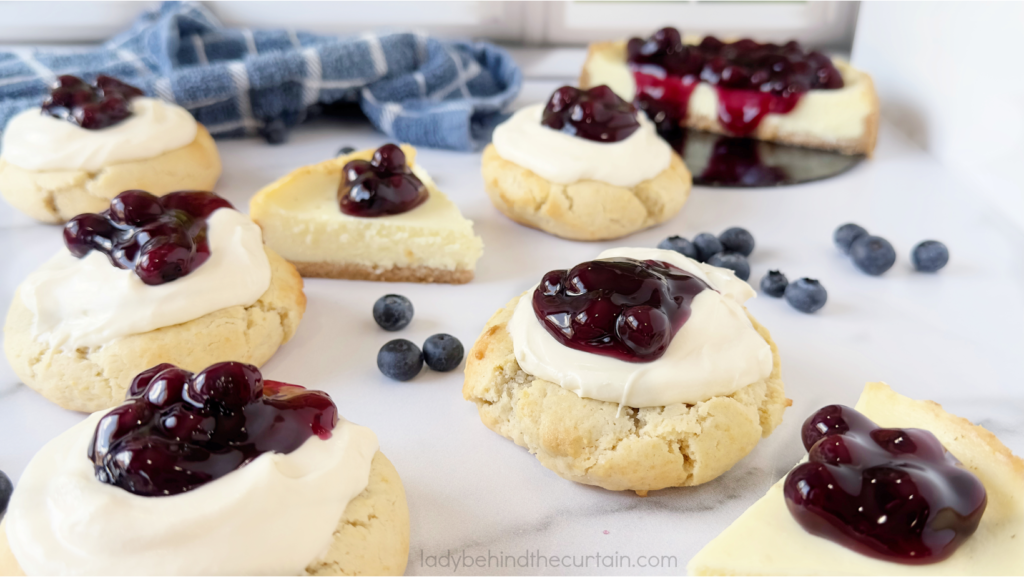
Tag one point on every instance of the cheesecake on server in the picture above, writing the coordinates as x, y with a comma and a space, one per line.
744, 88
369, 215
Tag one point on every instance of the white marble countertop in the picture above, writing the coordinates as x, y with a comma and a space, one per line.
956, 337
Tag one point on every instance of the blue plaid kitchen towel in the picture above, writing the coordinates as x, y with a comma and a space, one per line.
416, 89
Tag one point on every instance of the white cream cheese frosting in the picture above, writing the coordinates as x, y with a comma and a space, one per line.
566, 159
716, 352
36, 141
89, 302
273, 516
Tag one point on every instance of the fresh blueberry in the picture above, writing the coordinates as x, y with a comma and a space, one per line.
929, 256
400, 359
872, 254
392, 312
275, 131
707, 245
6, 488
733, 261
846, 234
680, 245
774, 284
737, 239
345, 150
442, 352
806, 295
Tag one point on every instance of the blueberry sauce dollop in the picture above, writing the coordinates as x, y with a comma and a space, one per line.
597, 114
160, 238
91, 106
177, 431
380, 186
752, 79
893, 494
619, 307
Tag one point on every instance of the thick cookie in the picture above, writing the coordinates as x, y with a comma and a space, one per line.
585, 210
372, 537
91, 379
55, 196
641, 450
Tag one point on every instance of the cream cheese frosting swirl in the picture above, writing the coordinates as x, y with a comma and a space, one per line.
36, 141
715, 353
89, 302
565, 159
273, 516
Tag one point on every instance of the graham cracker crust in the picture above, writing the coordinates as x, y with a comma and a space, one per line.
352, 271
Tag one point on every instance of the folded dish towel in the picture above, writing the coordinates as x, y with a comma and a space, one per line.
414, 88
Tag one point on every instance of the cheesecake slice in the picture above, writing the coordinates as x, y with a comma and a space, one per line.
742, 95
767, 540
302, 221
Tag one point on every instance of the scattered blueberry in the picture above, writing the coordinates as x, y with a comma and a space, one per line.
733, 261
846, 234
707, 245
6, 488
400, 359
774, 284
345, 150
442, 352
872, 254
680, 245
275, 131
392, 312
737, 239
929, 256
806, 295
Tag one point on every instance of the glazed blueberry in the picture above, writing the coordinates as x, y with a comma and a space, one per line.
618, 307
275, 131
177, 431
6, 488
680, 245
872, 254
597, 114
774, 284
96, 106
894, 494
737, 239
400, 360
393, 312
707, 245
345, 150
442, 352
381, 186
929, 256
733, 261
160, 238
846, 234
806, 295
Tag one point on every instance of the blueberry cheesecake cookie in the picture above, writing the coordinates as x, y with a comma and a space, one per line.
215, 473
585, 166
89, 142
183, 278
637, 371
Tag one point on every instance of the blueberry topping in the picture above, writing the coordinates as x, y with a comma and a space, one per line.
774, 283
275, 131
872, 254
846, 234
392, 312
707, 245
806, 295
929, 256
96, 106
400, 359
345, 150
380, 186
6, 488
733, 261
737, 239
680, 245
597, 114
442, 352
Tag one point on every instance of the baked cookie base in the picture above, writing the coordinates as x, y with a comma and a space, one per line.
372, 537
588, 441
96, 378
353, 271
54, 196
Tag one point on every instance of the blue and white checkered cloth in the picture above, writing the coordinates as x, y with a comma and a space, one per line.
416, 89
